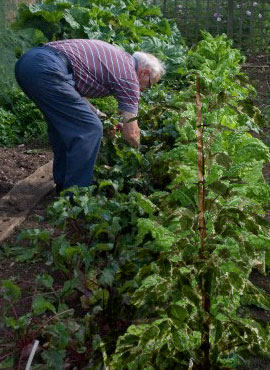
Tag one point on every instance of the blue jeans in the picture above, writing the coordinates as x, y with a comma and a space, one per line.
74, 129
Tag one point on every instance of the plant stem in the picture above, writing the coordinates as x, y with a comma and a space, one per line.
50, 319
200, 166
6, 355
205, 341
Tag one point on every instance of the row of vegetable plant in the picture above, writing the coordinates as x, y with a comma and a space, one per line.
138, 289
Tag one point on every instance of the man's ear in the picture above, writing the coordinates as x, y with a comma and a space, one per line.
146, 72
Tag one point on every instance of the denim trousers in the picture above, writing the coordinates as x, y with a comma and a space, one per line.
74, 129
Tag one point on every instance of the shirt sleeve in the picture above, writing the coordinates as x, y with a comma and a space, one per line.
127, 93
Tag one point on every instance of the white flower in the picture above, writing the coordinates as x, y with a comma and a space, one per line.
254, 3
219, 19
260, 15
238, 6
248, 12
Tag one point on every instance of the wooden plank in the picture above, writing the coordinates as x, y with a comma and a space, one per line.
15, 205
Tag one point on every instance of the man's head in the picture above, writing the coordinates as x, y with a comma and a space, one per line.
149, 71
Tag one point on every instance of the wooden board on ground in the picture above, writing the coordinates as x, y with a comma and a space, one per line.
15, 205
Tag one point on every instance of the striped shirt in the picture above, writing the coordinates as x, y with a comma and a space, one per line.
101, 69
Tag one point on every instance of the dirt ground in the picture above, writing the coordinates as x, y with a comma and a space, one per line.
19, 162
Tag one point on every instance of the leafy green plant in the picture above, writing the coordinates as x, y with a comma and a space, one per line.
194, 293
132, 24
130, 249
20, 120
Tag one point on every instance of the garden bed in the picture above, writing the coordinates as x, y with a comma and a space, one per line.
129, 252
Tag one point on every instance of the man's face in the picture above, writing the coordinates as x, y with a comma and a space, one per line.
146, 81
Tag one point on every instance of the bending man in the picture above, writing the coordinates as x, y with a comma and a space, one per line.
58, 75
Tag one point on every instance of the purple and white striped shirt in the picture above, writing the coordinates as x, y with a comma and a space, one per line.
101, 69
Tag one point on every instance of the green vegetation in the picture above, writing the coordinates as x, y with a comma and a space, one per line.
133, 275
20, 120
127, 24
246, 22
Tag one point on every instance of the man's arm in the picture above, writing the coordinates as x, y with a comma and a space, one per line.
131, 130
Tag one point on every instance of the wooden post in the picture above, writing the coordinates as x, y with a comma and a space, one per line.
9, 9
204, 284
230, 18
201, 191
208, 15
175, 7
197, 14
164, 7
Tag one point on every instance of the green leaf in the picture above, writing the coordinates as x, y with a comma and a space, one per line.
178, 312
7, 364
45, 280
150, 333
107, 277
26, 254
224, 160
10, 291
41, 305
145, 203
255, 296
104, 246
54, 359
219, 187
71, 21
179, 341
252, 226
164, 239
106, 183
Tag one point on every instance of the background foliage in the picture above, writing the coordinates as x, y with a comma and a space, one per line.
245, 21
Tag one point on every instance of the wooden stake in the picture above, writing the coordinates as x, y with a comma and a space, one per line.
205, 345
201, 187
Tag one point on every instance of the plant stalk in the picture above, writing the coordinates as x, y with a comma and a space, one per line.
205, 340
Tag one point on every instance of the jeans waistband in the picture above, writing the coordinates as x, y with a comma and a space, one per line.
61, 55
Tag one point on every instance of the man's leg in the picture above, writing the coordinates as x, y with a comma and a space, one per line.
73, 124
59, 161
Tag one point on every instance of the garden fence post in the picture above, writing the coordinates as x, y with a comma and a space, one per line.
205, 340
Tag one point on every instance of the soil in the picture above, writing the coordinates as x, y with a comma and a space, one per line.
19, 162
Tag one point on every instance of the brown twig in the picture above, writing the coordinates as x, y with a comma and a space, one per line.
20, 360
13, 310
8, 354
50, 319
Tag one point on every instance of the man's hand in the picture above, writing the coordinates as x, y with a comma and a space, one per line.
95, 110
100, 114
131, 130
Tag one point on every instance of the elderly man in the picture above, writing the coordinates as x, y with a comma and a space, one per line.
59, 75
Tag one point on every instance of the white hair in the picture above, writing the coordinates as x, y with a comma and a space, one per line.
146, 60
